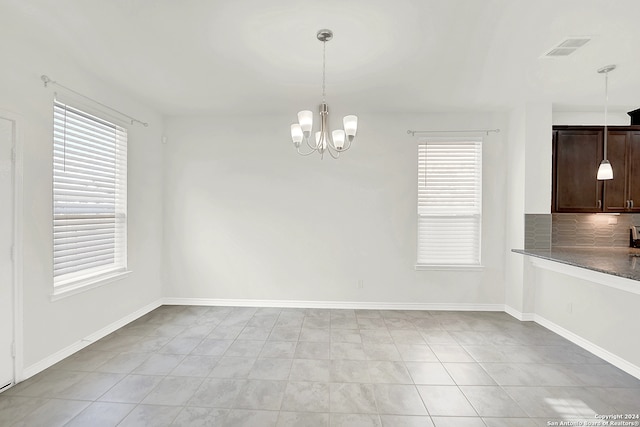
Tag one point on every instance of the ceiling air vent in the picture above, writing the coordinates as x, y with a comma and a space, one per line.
567, 46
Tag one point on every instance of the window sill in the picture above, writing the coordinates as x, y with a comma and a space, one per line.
81, 285
460, 267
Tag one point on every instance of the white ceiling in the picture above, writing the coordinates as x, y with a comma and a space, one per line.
215, 56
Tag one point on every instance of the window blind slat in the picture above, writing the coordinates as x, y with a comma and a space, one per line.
84, 158
81, 155
89, 194
82, 168
89, 264
75, 137
79, 171
82, 253
449, 202
87, 241
71, 115
84, 179
69, 234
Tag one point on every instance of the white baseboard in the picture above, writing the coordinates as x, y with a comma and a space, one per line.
524, 317
576, 339
333, 304
617, 361
79, 345
51, 360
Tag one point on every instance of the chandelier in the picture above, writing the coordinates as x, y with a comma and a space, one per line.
340, 139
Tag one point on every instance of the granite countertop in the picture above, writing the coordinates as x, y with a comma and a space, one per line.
622, 262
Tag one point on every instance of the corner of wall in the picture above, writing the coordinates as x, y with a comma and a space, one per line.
515, 207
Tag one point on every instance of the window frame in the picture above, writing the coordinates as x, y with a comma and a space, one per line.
426, 264
88, 206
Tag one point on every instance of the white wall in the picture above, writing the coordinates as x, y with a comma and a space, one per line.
538, 158
614, 118
528, 191
247, 218
605, 316
52, 326
514, 207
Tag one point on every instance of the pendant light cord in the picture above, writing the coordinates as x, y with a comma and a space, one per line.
606, 108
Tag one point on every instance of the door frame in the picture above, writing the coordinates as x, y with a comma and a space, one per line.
18, 326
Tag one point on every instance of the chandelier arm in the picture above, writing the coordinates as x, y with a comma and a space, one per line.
331, 148
330, 143
335, 156
327, 141
345, 148
305, 154
310, 146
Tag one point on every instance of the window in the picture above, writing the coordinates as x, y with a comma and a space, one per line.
89, 198
449, 202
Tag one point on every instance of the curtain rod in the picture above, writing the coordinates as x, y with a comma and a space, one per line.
47, 81
413, 132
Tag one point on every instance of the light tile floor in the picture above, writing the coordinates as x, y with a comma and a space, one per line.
262, 367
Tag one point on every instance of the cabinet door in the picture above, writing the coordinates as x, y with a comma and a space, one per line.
633, 175
577, 156
615, 191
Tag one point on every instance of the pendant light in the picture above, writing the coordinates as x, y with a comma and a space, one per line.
605, 172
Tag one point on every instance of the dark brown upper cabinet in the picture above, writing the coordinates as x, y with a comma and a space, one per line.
615, 196
577, 153
622, 193
576, 156
633, 171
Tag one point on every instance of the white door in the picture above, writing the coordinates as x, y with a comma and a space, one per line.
6, 259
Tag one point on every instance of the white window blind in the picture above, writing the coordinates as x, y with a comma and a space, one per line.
449, 202
89, 196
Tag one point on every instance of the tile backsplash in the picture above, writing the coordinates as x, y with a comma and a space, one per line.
603, 230
537, 231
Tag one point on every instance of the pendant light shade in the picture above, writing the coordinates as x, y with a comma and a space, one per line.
296, 134
605, 171
305, 119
